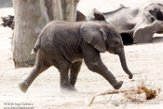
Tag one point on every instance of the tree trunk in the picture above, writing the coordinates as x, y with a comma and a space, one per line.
69, 9
30, 17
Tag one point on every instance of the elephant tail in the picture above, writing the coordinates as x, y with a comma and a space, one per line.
37, 46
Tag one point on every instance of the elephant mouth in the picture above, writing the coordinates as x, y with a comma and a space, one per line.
114, 51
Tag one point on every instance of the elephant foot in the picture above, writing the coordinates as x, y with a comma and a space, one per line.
23, 86
68, 88
118, 85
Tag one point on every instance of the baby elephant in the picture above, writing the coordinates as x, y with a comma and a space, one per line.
65, 45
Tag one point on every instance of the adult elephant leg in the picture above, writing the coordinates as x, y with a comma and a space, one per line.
64, 78
143, 35
39, 67
75, 68
144, 32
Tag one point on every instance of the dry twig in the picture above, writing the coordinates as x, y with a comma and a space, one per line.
131, 93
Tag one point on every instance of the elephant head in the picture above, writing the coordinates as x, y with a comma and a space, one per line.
106, 38
151, 22
135, 24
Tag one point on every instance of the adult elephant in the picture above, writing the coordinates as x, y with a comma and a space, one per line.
136, 25
65, 44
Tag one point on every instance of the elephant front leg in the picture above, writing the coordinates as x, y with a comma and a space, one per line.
75, 68
95, 64
100, 68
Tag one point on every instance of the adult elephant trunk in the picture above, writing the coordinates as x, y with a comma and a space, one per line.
122, 58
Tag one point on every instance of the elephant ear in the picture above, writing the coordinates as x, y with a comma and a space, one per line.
94, 35
98, 15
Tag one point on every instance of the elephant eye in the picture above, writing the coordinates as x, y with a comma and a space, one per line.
116, 42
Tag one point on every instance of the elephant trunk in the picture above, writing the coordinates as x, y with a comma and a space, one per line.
122, 58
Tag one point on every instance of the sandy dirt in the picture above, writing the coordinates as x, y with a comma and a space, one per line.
145, 61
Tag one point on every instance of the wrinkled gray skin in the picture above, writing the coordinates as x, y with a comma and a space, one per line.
138, 23
65, 45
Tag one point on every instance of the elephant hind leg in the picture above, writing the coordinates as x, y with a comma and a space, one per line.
64, 67
74, 70
39, 67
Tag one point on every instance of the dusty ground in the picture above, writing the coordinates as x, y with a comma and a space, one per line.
145, 61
